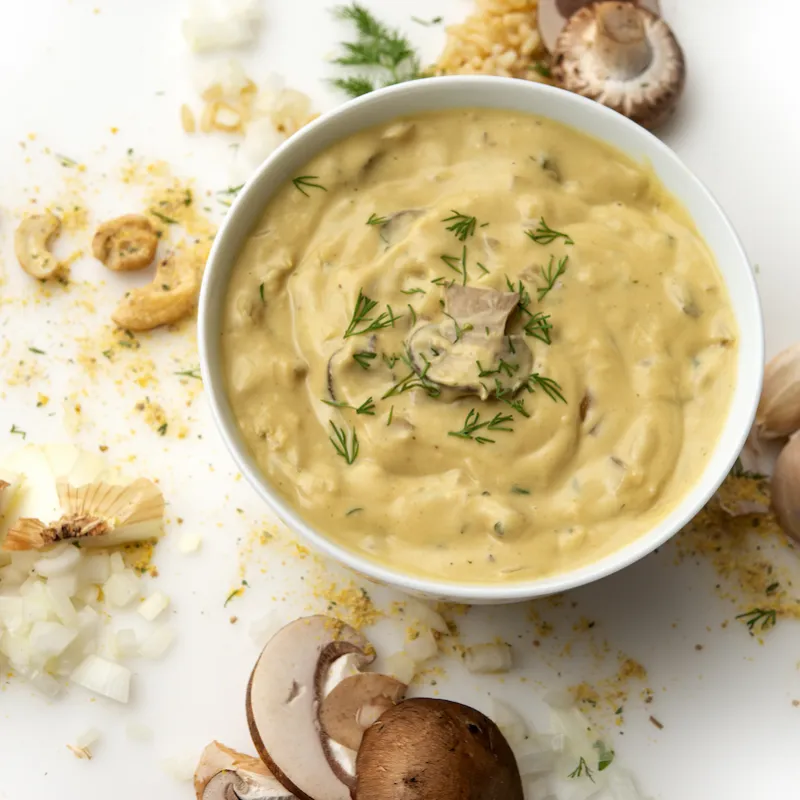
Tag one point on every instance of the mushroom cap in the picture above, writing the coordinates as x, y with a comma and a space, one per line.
622, 56
427, 749
553, 15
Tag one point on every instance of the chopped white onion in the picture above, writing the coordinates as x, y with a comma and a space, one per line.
116, 562
63, 562
87, 738
488, 658
152, 606
124, 644
417, 611
189, 543
61, 605
103, 677
42, 682
223, 24
64, 584
401, 666
158, 642
420, 644
12, 616
511, 724
95, 568
121, 588
48, 640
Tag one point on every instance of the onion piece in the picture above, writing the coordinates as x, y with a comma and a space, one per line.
189, 543
103, 677
124, 644
417, 611
87, 738
157, 643
53, 565
488, 658
420, 645
121, 588
401, 666
153, 605
116, 562
511, 724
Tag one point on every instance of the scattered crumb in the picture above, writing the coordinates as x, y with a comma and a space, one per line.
82, 753
658, 724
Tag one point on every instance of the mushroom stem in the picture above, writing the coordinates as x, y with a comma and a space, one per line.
621, 42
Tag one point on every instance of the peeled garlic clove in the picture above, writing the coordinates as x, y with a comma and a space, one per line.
786, 488
778, 412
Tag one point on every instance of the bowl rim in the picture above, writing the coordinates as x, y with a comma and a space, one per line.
227, 244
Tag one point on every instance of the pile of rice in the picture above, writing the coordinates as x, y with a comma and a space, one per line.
500, 38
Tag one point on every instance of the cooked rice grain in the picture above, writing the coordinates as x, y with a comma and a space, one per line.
500, 38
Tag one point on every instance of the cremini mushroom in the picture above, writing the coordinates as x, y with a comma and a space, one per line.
355, 703
170, 297
786, 488
469, 351
623, 56
778, 414
224, 774
426, 748
32, 241
286, 688
553, 15
125, 243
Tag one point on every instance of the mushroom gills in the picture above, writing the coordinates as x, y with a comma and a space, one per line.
230, 784
469, 351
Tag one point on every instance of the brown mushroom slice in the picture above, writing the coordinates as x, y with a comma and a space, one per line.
470, 351
553, 15
283, 696
624, 57
225, 774
355, 703
427, 748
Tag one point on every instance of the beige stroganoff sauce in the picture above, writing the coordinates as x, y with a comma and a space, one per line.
478, 345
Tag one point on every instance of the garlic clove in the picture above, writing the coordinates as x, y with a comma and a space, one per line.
778, 413
786, 488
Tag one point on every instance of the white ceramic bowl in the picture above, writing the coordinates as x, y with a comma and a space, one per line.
570, 109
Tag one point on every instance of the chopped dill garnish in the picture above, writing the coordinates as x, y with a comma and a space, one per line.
346, 448
519, 490
473, 423
482, 268
191, 373
539, 327
458, 265
384, 52
261, 292
37, 351
463, 225
503, 367
547, 385
163, 217
162, 430
460, 329
544, 234
367, 407
582, 769
390, 417
234, 593
364, 306
605, 757
767, 617
442, 282
18, 432
413, 315
427, 22
550, 276
413, 291
374, 219
363, 359
772, 588
518, 405
303, 182
524, 295
337, 403
541, 68
354, 511
390, 361
65, 161
413, 380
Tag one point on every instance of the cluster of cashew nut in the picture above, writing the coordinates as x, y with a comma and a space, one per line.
123, 244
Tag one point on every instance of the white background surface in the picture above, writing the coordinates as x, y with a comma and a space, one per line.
69, 75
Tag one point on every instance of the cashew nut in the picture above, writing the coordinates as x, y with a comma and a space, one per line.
32, 241
170, 297
125, 243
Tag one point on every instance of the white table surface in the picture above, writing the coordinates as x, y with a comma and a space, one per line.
68, 75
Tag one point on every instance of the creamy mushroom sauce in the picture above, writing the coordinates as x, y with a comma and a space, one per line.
643, 347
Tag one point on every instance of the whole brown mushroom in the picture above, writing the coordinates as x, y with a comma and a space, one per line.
426, 749
622, 56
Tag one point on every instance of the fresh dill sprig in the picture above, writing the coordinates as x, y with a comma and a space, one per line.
413, 315
413, 380
367, 407
364, 306
550, 276
473, 423
518, 405
413, 291
346, 447
303, 182
457, 264
337, 403
582, 769
191, 373
544, 234
463, 225
605, 756
390, 361
389, 418
460, 329
18, 432
539, 327
427, 22
536, 381
374, 219
767, 617
524, 295
482, 268
65, 161
519, 490
384, 52
163, 217
503, 368
363, 359
442, 281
